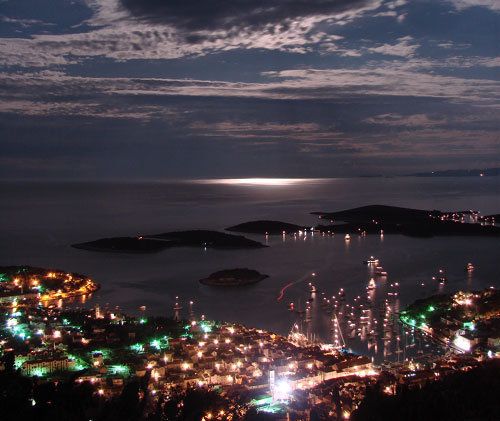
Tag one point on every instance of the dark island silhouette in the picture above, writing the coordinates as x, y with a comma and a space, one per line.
379, 213
123, 245
476, 172
266, 227
234, 277
374, 219
157, 242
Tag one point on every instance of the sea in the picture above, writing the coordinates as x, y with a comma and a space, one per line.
40, 220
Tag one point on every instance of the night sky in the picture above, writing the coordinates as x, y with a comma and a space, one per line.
155, 89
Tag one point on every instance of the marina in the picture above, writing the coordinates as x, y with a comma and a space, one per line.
404, 272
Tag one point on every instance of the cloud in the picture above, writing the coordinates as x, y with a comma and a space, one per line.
127, 82
405, 47
449, 45
24, 23
465, 4
398, 120
267, 131
408, 78
235, 15
82, 109
150, 30
56, 93
124, 30
123, 41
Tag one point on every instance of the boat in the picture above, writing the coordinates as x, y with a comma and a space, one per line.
381, 273
441, 275
371, 261
299, 310
469, 267
371, 285
308, 315
297, 337
347, 237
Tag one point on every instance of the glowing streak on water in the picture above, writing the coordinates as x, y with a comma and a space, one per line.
262, 181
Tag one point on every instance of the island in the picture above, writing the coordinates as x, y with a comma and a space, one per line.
234, 277
39, 284
476, 172
158, 242
374, 219
206, 238
266, 227
379, 213
124, 245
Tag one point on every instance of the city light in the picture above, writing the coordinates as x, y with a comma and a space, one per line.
462, 343
282, 390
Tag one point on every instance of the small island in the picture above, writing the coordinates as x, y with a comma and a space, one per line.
266, 227
158, 242
234, 277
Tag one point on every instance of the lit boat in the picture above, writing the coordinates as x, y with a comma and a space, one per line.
308, 315
441, 277
371, 285
347, 237
299, 309
469, 267
371, 261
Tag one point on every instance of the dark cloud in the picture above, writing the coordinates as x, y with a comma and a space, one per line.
199, 15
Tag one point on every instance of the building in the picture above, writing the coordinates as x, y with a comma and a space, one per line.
45, 365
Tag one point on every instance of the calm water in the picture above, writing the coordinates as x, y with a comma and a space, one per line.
39, 220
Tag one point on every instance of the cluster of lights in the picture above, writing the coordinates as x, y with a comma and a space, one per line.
159, 343
463, 298
137, 348
120, 369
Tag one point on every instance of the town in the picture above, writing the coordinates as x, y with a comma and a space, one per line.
253, 370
